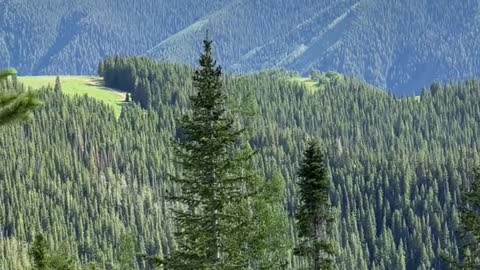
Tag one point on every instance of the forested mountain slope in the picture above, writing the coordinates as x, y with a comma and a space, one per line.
70, 37
397, 45
84, 177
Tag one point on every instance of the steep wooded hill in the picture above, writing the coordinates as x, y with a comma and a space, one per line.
397, 45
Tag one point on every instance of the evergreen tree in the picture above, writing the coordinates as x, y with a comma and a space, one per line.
270, 223
61, 259
39, 252
14, 107
215, 223
45, 259
470, 226
58, 85
127, 252
314, 215
100, 69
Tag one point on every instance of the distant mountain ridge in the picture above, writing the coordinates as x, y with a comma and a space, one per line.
397, 45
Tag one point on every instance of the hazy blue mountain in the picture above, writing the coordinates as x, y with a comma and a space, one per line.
398, 45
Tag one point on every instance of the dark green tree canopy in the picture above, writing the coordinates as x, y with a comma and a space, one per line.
15, 107
470, 226
314, 215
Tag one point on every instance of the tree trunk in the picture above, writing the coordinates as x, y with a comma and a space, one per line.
215, 221
317, 256
216, 218
216, 236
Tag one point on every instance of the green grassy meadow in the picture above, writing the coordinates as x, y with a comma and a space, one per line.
311, 85
80, 85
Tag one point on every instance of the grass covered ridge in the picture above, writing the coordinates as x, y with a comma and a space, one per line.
311, 85
80, 85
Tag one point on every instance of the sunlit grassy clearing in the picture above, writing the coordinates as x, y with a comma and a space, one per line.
310, 84
80, 85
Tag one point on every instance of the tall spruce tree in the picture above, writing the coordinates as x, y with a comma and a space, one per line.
58, 85
39, 252
15, 107
44, 258
127, 256
470, 227
314, 214
272, 239
62, 259
216, 187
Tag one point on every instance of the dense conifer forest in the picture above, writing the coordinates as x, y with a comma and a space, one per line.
94, 188
308, 134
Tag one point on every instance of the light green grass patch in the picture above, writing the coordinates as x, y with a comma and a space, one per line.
80, 85
311, 85
414, 99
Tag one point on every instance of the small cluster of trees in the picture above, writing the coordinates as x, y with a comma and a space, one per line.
46, 259
469, 228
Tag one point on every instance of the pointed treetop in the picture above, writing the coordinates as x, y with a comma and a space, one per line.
6, 73
207, 42
314, 148
58, 85
206, 59
314, 143
207, 36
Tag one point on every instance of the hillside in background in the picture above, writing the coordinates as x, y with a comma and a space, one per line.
397, 45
